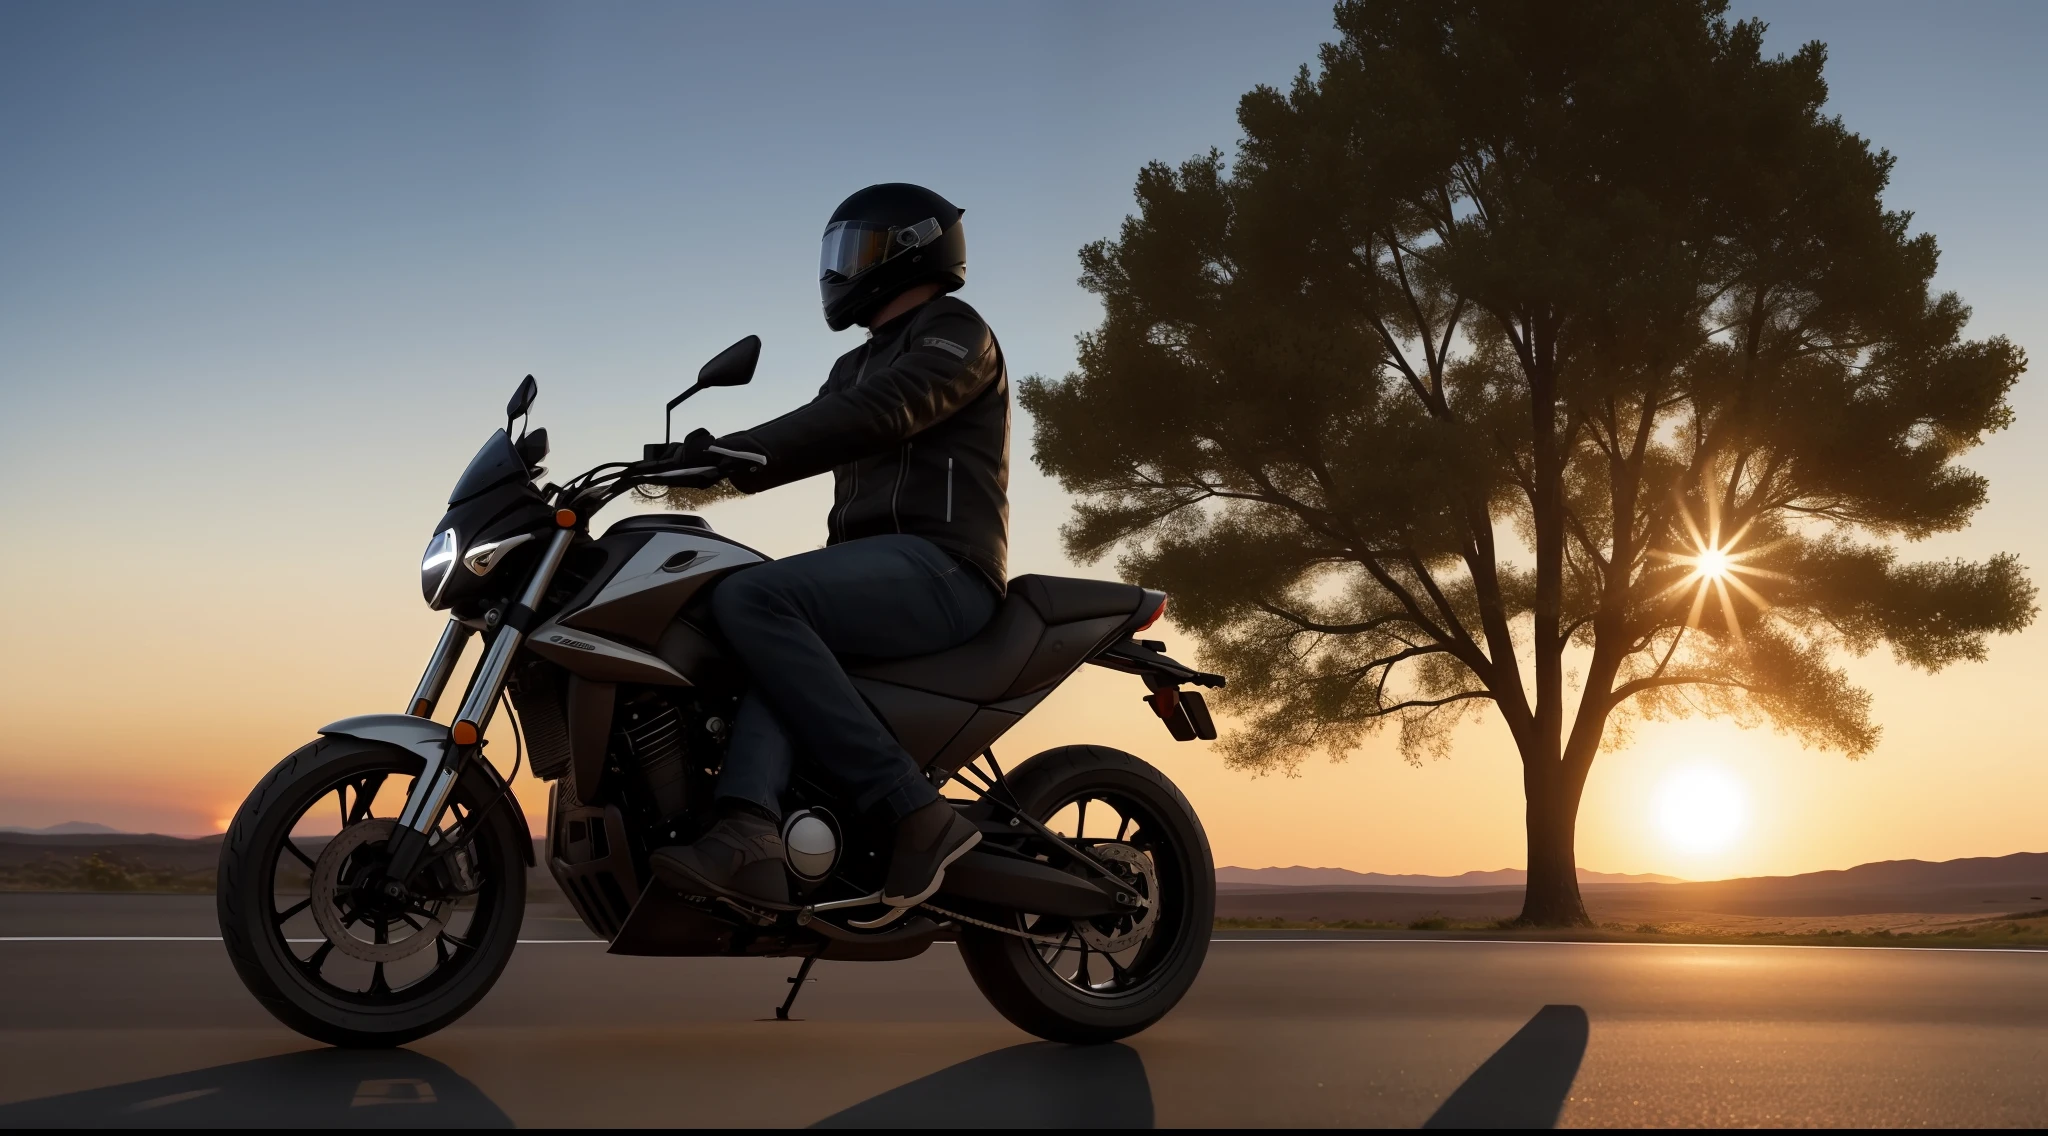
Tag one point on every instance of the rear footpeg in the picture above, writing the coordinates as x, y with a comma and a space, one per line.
804, 916
879, 921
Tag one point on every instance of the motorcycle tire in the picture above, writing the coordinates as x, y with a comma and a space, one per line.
1016, 975
266, 958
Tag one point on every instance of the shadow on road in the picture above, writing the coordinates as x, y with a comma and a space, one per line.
1039, 1085
1525, 1083
320, 1088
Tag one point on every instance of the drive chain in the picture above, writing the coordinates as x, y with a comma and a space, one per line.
1046, 940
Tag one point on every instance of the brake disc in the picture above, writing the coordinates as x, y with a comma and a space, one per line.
328, 891
1137, 868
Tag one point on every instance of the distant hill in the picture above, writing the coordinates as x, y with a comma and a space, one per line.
1980, 885
2021, 868
1337, 878
68, 828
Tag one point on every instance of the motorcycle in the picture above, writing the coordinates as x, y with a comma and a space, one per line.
1083, 914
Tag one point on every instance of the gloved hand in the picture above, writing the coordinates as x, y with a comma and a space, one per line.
696, 446
737, 453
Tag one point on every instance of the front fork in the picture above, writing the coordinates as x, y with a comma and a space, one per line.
429, 794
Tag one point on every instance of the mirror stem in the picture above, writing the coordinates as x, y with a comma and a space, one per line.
668, 426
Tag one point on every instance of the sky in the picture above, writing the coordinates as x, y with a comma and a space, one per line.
268, 273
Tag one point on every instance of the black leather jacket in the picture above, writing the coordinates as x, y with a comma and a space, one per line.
915, 426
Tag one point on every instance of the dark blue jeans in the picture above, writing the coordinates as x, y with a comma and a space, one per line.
884, 597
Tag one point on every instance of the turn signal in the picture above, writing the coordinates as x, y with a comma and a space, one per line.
421, 708
464, 733
565, 518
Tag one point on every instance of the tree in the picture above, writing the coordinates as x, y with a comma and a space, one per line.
1558, 358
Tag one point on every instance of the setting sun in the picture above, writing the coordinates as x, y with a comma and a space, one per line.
1701, 809
1711, 564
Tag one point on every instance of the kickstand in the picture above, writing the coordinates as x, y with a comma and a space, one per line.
796, 986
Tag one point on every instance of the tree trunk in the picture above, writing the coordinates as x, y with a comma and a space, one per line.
1552, 898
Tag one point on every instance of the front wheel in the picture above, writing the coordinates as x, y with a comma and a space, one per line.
314, 940
1096, 980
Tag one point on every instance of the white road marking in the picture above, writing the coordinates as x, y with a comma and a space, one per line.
215, 939
1395, 942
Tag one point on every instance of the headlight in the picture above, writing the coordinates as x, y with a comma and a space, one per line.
481, 558
436, 566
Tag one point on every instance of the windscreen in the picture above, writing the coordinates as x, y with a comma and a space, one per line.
493, 465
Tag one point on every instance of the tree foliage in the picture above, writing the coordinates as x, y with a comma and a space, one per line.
1559, 358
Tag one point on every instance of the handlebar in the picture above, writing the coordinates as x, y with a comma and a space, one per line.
694, 477
591, 491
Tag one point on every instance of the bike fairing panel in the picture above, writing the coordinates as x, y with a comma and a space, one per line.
645, 592
492, 501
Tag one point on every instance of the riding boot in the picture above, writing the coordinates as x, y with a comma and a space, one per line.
927, 841
739, 858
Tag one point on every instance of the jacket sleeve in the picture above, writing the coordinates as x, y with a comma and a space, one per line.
942, 366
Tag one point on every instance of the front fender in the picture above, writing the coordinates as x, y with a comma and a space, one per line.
428, 738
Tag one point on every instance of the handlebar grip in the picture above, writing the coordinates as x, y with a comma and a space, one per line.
695, 477
755, 460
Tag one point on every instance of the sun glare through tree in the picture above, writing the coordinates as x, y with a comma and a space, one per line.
1716, 564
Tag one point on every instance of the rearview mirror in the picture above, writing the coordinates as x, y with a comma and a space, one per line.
522, 400
732, 367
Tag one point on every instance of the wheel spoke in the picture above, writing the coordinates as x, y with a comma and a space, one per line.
1055, 948
366, 797
377, 983
1117, 970
440, 950
317, 959
294, 909
292, 846
1080, 818
1123, 823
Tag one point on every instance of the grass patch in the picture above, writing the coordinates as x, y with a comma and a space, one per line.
102, 872
1431, 923
1278, 924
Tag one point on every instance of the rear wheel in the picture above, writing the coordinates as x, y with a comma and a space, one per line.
318, 945
1096, 980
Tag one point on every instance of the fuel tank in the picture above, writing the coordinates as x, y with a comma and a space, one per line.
621, 624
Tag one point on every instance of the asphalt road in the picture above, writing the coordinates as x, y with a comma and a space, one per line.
1281, 1030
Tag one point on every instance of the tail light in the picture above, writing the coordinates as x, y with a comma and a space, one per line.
1154, 617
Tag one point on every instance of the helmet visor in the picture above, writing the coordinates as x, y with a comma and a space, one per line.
852, 247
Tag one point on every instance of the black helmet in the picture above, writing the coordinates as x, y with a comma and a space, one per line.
882, 240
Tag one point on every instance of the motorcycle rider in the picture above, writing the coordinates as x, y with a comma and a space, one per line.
914, 425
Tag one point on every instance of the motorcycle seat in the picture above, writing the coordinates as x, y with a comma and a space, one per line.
1064, 599
1044, 628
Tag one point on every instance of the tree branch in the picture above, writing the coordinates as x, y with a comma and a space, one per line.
1307, 624
1422, 703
